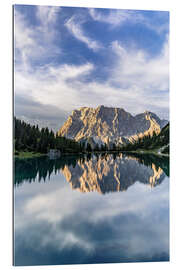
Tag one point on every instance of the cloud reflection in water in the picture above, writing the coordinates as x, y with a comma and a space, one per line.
55, 224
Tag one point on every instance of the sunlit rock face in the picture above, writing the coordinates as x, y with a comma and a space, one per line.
104, 125
108, 175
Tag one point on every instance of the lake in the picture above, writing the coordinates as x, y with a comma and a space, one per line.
91, 209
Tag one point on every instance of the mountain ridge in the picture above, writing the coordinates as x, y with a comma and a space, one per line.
109, 125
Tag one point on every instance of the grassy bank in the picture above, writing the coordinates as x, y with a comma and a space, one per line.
144, 151
22, 154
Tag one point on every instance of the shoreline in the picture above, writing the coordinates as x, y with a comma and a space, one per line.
26, 155
146, 152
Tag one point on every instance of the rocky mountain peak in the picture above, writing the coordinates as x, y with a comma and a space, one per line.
105, 124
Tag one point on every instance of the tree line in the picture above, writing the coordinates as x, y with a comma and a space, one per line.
33, 139
40, 169
149, 142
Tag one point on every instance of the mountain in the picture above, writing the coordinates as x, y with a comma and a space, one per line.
158, 143
161, 141
110, 175
164, 136
109, 125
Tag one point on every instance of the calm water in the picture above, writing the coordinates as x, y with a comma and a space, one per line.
92, 209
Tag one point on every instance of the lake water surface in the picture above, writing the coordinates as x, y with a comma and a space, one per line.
91, 209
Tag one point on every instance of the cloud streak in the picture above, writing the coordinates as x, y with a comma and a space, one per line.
136, 68
74, 25
117, 18
47, 15
35, 44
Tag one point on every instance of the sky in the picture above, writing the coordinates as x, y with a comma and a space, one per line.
68, 57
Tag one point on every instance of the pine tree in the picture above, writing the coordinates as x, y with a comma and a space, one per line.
88, 147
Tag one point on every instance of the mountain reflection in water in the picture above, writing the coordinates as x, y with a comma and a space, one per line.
55, 224
102, 173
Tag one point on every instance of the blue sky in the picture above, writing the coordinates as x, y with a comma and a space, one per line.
66, 58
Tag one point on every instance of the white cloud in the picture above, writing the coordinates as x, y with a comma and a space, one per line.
34, 43
48, 85
114, 17
47, 15
135, 68
23, 35
75, 28
117, 18
136, 83
70, 71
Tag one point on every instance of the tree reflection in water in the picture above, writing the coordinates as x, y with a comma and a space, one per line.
99, 172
